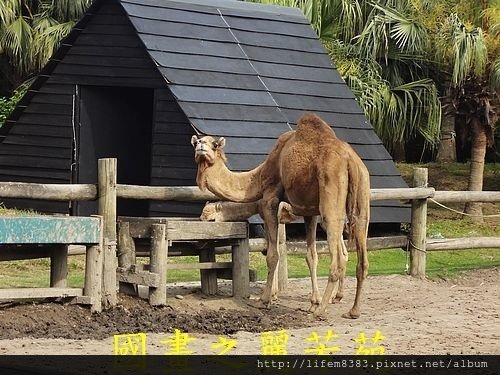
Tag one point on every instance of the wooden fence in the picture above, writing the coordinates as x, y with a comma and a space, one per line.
107, 191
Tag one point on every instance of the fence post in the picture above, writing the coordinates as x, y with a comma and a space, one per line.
418, 226
158, 262
93, 272
106, 192
126, 256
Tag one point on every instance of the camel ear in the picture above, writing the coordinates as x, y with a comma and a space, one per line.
218, 206
194, 140
221, 142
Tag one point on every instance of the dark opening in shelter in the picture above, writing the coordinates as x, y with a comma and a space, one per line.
115, 122
136, 78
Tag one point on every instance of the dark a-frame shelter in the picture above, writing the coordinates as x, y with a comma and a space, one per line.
136, 78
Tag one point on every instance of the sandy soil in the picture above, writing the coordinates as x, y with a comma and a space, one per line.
459, 316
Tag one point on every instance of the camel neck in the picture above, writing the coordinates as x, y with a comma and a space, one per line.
233, 186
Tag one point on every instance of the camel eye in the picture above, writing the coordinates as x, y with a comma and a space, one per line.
215, 144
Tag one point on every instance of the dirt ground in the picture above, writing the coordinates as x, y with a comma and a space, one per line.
460, 316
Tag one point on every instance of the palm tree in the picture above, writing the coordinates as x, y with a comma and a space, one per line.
471, 52
376, 48
30, 31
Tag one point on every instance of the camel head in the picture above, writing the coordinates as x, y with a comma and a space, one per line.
211, 212
207, 148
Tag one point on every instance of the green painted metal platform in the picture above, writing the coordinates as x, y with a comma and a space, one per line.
47, 230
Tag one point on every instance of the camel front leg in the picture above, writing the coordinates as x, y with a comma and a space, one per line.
270, 216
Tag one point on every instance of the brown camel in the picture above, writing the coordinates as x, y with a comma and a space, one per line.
229, 211
317, 174
233, 211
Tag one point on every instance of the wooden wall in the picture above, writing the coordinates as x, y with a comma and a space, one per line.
172, 155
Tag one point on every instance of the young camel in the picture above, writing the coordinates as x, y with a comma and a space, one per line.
233, 211
317, 174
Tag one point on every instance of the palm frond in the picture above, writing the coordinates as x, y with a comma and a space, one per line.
9, 10
349, 18
397, 113
495, 75
16, 41
47, 41
466, 49
387, 27
65, 10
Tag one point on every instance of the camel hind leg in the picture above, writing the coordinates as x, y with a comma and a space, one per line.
332, 209
340, 290
360, 234
286, 215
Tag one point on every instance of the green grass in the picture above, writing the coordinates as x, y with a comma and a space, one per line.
442, 264
8, 211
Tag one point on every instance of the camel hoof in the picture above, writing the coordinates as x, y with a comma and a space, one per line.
350, 315
313, 308
337, 299
319, 314
266, 304
258, 304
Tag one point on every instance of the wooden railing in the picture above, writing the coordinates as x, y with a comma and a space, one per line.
107, 191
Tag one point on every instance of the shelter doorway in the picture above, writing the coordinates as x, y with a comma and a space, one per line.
115, 122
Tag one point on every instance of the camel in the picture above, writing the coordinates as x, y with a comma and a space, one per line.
232, 211
316, 174
229, 211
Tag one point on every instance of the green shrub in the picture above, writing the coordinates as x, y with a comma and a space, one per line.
7, 105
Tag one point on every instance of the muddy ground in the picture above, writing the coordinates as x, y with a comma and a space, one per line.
460, 316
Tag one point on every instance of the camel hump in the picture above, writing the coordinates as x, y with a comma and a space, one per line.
310, 124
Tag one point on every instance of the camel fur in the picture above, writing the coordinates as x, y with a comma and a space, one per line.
316, 174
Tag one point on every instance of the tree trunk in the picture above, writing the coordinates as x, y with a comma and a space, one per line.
399, 152
447, 152
478, 153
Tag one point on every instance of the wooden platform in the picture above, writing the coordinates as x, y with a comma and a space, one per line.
183, 237
33, 237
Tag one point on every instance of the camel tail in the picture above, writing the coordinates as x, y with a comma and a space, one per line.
358, 205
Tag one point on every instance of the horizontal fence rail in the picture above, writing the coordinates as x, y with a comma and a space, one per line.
193, 193
466, 196
88, 192
442, 244
52, 192
164, 193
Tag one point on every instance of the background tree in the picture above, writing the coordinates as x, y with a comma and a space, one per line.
466, 46
30, 31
